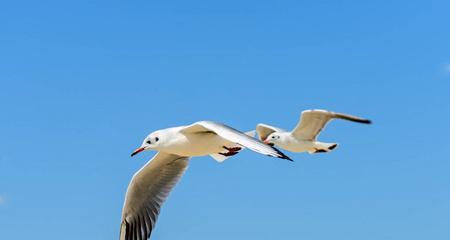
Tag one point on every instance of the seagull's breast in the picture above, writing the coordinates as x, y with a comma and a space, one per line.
195, 144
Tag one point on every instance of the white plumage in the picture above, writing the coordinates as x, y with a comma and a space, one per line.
151, 185
303, 137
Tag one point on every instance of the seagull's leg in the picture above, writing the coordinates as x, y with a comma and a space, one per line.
231, 151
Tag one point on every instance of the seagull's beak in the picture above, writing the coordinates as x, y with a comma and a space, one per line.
137, 151
268, 143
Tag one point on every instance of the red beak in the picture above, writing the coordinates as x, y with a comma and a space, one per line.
137, 151
268, 143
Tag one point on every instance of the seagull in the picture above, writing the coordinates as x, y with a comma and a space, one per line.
151, 185
303, 137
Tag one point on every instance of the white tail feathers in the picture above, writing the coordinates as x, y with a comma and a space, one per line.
218, 157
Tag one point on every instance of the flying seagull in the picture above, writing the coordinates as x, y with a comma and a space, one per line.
303, 137
151, 185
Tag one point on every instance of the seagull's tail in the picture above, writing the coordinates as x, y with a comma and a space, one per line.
219, 157
320, 147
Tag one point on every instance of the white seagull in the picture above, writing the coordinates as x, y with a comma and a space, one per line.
303, 137
151, 185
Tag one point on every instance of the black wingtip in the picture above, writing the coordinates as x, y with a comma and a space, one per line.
282, 155
287, 158
365, 121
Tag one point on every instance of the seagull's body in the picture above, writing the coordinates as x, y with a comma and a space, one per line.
191, 144
196, 143
293, 144
303, 137
151, 185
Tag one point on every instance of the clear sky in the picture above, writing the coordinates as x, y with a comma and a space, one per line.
83, 82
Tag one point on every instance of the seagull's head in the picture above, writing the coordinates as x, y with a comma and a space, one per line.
151, 142
273, 139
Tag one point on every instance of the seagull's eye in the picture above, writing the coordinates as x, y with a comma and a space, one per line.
273, 137
156, 139
149, 142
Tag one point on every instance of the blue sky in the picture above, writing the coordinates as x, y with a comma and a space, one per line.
83, 82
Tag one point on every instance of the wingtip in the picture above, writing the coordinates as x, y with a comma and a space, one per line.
362, 120
282, 155
366, 121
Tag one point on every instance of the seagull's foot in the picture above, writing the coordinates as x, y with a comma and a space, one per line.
233, 149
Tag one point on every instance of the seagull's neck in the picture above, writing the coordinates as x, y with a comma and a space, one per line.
286, 138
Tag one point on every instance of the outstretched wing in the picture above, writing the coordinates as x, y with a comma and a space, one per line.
147, 191
265, 130
313, 121
235, 136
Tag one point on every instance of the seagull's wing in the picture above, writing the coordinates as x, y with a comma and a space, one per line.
147, 191
235, 136
313, 121
265, 130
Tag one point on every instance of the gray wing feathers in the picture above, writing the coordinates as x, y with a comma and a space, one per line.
313, 121
146, 193
351, 118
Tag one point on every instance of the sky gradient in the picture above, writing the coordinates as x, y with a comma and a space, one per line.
82, 83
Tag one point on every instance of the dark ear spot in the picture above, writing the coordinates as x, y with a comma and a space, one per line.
156, 138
